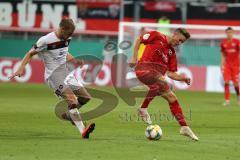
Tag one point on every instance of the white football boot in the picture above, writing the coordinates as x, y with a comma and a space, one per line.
186, 131
143, 113
226, 103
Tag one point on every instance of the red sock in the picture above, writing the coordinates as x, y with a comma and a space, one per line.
146, 102
227, 92
237, 90
148, 99
177, 113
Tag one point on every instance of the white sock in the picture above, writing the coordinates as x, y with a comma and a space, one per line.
143, 109
75, 116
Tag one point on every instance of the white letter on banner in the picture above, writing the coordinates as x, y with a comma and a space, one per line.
5, 14
51, 15
73, 13
5, 72
26, 14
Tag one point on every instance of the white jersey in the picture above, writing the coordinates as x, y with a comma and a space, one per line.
53, 51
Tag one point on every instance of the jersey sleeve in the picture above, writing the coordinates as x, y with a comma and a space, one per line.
148, 37
172, 63
222, 47
40, 45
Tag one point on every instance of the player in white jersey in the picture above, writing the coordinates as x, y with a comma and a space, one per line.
53, 50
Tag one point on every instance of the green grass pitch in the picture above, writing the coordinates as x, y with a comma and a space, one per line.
29, 129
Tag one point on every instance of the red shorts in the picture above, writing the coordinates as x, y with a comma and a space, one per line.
230, 73
150, 77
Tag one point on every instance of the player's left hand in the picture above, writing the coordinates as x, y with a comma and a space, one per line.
78, 62
187, 81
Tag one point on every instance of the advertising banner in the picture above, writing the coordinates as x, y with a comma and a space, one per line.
214, 81
215, 11
34, 72
35, 14
100, 74
203, 78
160, 6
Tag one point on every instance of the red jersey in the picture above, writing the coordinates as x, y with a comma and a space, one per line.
158, 51
230, 49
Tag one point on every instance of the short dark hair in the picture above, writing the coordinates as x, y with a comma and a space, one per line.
184, 32
228, 29
67, 23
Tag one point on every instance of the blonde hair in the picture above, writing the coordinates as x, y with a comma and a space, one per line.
67, 24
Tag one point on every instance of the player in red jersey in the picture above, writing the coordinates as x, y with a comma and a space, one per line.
230, 64
156, 59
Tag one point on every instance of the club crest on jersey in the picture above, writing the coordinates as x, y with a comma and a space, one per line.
146, 36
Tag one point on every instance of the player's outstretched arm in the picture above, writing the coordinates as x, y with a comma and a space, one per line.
78, 62
179, 77
135, 53
25, 61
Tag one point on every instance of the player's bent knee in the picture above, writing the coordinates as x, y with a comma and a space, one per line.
71, 98
83, 100
226, 83
170, 97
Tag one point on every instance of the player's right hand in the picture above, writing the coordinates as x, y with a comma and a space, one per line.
18, 73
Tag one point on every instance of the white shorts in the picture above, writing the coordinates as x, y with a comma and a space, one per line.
60, 81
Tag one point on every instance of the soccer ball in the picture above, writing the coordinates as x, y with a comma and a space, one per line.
153, 132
